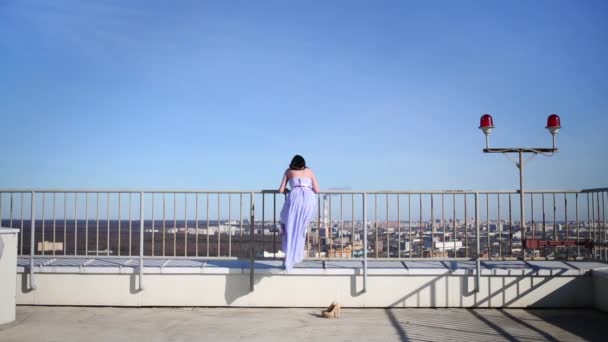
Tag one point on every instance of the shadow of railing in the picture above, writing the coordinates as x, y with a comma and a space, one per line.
235, 288
544, 334
422, 324
431, 287
593, 329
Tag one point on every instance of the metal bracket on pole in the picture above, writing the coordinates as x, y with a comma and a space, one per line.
520, 165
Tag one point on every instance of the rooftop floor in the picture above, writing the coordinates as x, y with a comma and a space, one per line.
228, 324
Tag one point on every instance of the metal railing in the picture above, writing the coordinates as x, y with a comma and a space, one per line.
451, 224
402, 224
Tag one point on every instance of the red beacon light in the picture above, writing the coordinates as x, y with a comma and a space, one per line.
486, 124
553, 124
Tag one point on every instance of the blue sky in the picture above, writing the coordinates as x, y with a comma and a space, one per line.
374, 94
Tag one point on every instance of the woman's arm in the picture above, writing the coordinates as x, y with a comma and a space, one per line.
315, 184
283, 183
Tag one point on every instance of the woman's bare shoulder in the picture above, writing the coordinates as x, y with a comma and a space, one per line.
299, 173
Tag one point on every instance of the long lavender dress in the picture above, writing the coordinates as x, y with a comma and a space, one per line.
297, 212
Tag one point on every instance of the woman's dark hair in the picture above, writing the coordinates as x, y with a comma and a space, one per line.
297, 163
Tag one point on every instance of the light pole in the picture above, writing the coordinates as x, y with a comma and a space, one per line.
486, 124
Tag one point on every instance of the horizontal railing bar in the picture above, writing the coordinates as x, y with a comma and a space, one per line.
320, 192
391, 259
123, 191
554, 191
594, 190
438, 259
468, 192
262, 192
149, 257
133, 257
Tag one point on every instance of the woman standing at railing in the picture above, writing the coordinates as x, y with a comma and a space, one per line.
298, 209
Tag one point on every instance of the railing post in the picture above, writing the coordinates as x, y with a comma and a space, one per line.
251, 243
274, 226
522, 209
33, 241
478, 252
478, 274
605, 257
141, 241
364, 242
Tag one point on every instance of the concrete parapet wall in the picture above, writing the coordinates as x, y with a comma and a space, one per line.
600, 288
8, 266
307, 289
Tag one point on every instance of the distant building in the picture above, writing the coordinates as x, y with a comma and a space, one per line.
278, 254
345, 252
443, 246
49, 246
